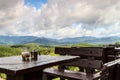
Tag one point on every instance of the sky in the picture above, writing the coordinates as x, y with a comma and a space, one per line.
60, 18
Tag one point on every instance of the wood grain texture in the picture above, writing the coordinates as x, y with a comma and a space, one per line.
16, 69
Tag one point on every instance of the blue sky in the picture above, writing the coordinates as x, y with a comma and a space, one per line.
60, 18
35, 3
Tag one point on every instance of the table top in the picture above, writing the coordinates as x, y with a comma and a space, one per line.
14, 64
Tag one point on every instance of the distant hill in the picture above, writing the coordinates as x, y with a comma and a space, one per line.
92, 40
42, 40
16, 39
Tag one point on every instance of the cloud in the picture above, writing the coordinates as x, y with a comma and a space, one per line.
92, 14
10, 12
61, 18
88, 12
6, 4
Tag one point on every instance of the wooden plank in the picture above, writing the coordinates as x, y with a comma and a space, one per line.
117, 77
62, 51
109, 51
15, 65
87, 51
111, 63
72, 75
81, 51
15, 77
86, 63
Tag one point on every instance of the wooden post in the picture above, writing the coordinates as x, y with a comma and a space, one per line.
15, 77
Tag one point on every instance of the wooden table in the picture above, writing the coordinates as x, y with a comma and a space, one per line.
16, 69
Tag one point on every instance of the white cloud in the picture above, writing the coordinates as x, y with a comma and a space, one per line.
10, 14
55, 19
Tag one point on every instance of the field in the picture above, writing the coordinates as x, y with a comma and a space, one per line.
12, 50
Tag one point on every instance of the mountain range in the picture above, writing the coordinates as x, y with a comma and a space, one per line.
48, 41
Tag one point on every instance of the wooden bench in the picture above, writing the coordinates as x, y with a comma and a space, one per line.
110, 53
91, 59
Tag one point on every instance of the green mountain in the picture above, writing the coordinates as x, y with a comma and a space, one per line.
49, 41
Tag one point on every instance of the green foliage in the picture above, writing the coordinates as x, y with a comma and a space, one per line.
72, 68
78, 45
2, 75
117, 43
46, 51
83, 45
8, 51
